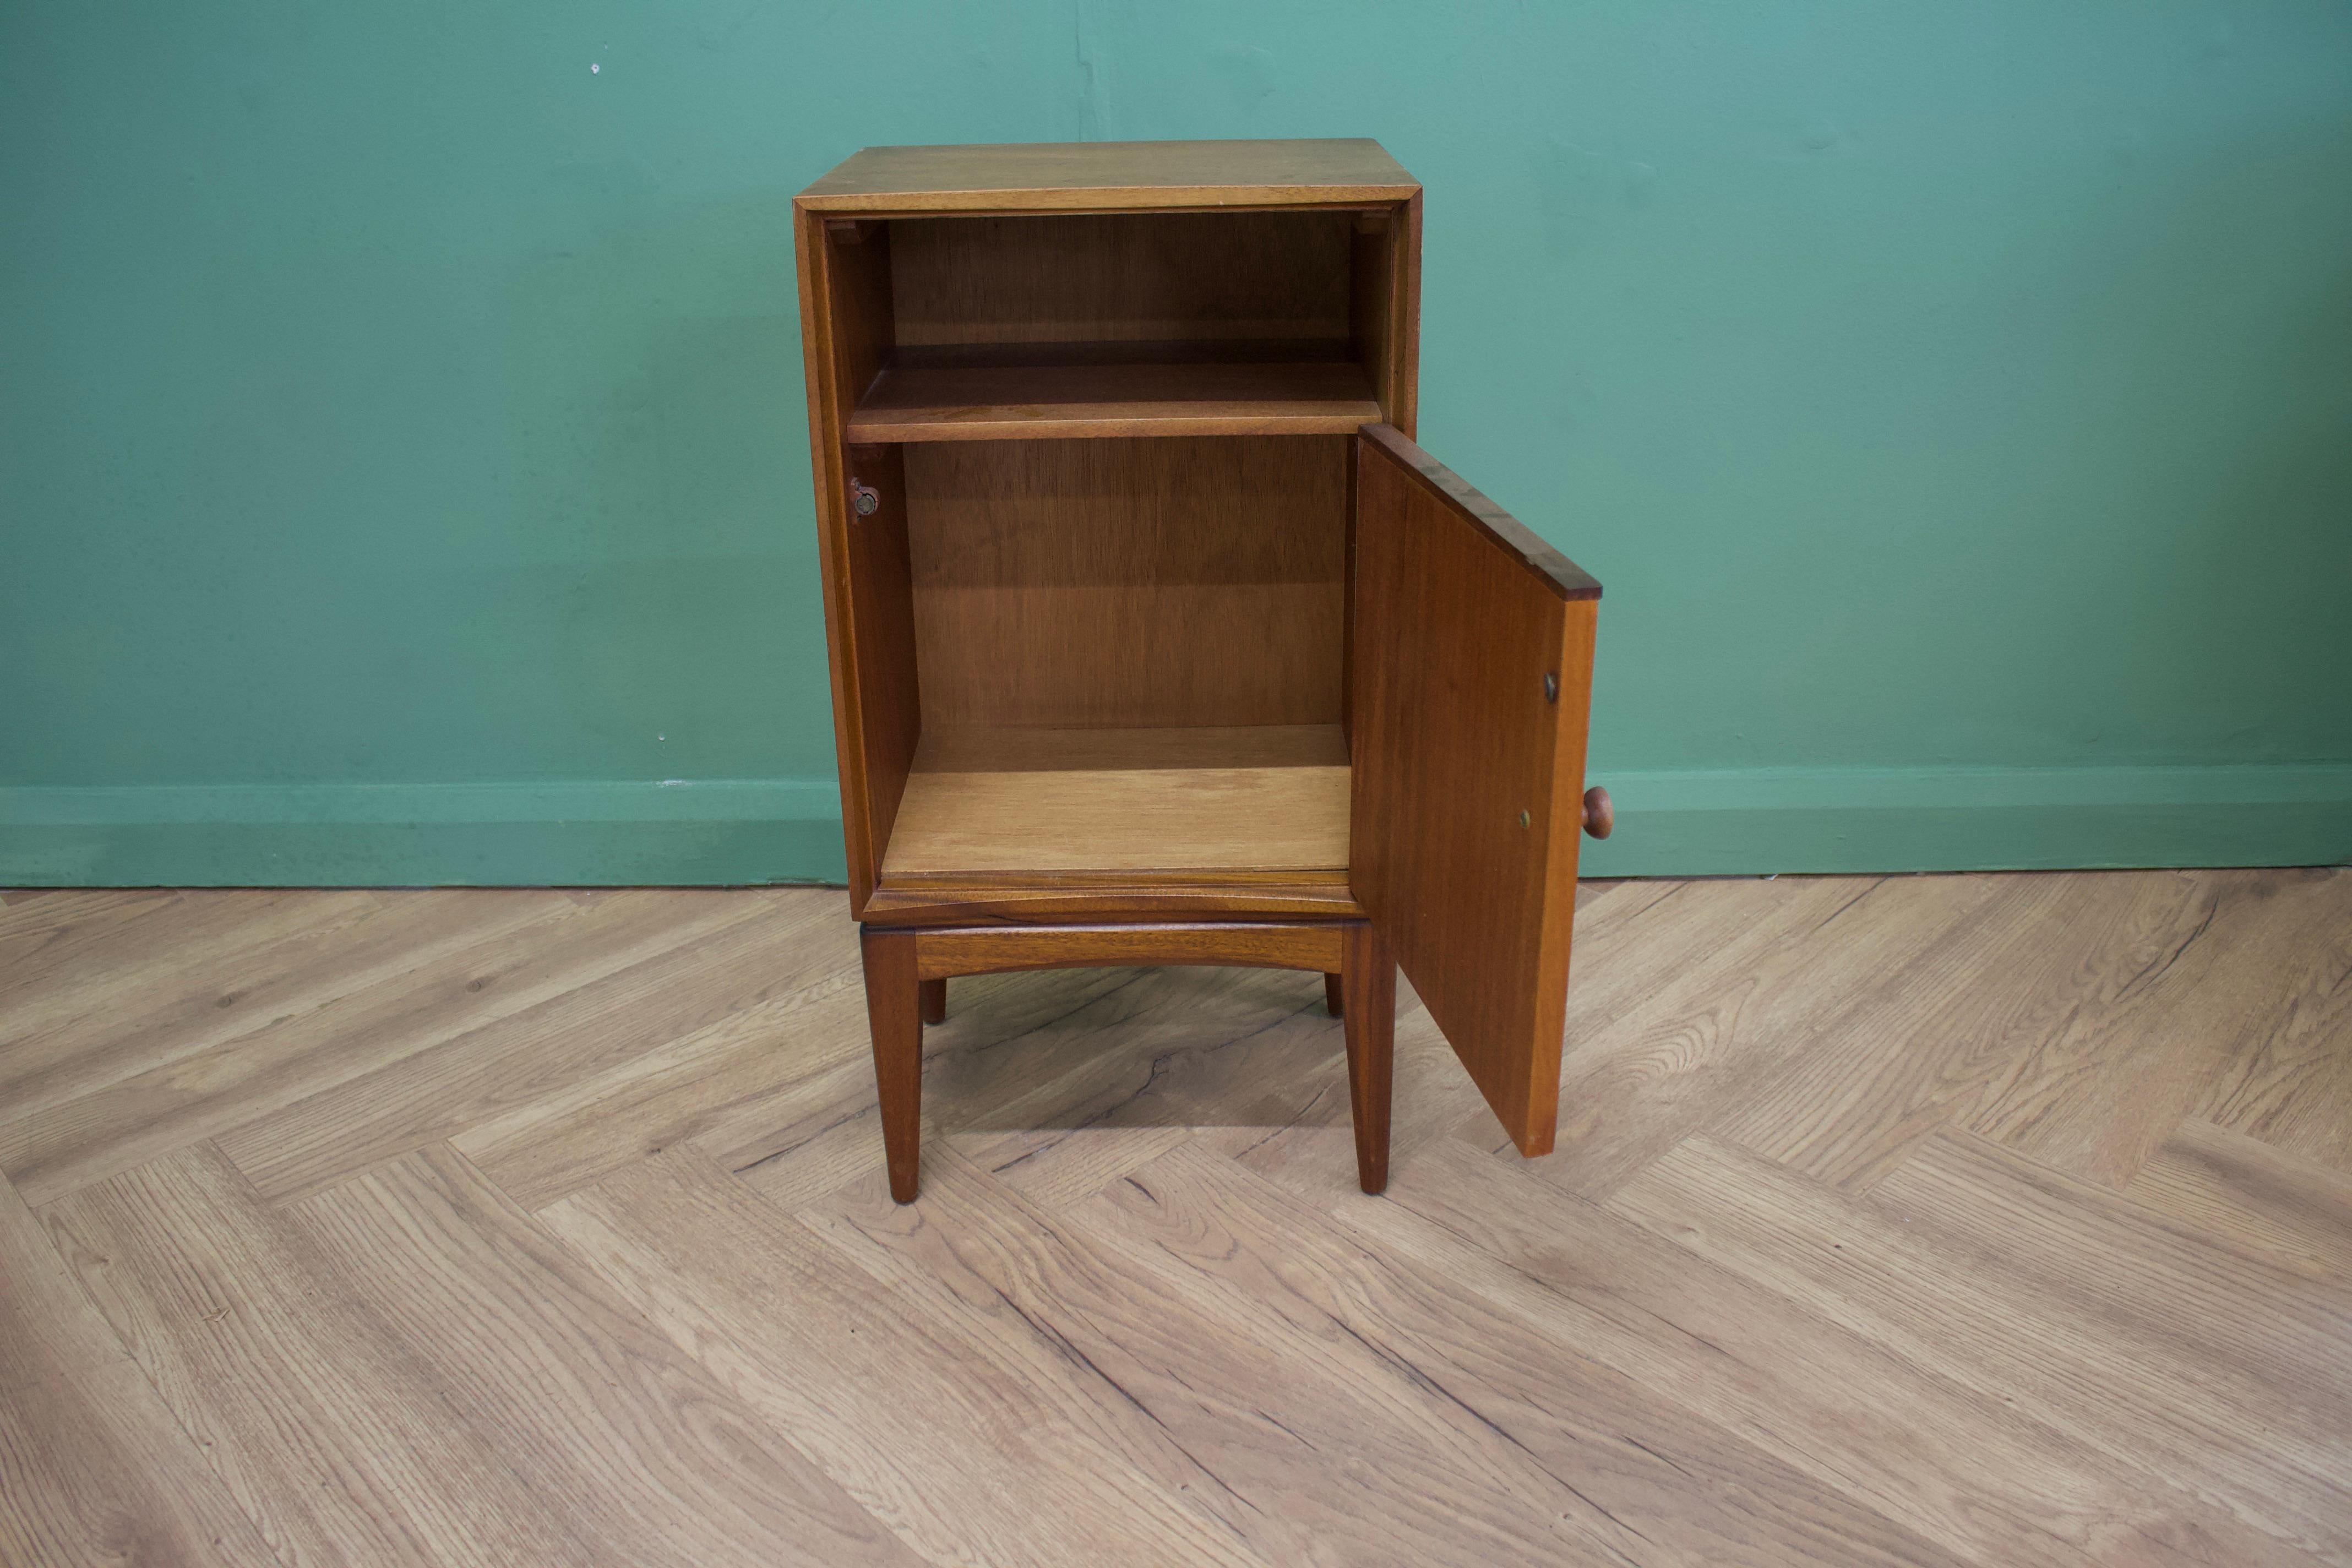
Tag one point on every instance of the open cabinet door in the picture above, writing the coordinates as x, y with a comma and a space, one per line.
1472, 655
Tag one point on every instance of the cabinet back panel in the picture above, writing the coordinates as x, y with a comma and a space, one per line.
1280, 276
1173, 581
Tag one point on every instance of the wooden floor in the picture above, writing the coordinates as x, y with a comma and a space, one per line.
1999, 1220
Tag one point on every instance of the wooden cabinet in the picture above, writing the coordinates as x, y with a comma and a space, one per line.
1154, 638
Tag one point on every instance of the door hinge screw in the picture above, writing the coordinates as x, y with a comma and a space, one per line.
863, 499
1551, 687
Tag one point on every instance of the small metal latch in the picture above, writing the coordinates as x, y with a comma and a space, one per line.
1551, 687
863, 499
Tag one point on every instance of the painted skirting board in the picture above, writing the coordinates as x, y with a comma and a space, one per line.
1760, 821
741, 831
599, 834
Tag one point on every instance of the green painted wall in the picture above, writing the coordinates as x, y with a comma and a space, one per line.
404, 475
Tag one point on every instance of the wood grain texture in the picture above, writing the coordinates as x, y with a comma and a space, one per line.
1011, 1039
882, 648
357, 1012
1290, 1382
326, 1432
1029, 403
1847, 1113
1263, 819
1110, 1072
98, 1018
1128, 583
1688, 1012
1384, 307
644, 1454
97, 1468
45, 928
1207, 295
703, 974
1080, 897
663, 1309
987, 950
1962, 1467
1254, 280
1109, 175
1367, 985
1960, 1308
845, 336
2254, 1332
2253, 1198
540, 1136
899, 965
46, 917
1557, 1437
1247, 800
1514, 540
1468, 768
895, 1023
797, 1333
1030, 750
2283, 1072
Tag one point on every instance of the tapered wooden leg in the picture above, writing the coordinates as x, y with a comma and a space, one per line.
1368, 1004
893, 1011
935, 1001
1331, 990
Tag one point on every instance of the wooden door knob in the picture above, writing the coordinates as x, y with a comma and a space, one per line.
1600, 814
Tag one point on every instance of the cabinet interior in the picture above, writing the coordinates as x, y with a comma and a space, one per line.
1102, 599
1126, 655
1121, 323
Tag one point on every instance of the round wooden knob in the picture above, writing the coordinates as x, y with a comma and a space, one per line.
1600, 814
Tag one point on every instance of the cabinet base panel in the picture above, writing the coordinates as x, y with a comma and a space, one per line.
1006, 804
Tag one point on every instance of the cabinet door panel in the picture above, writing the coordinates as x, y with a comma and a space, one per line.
1468, 766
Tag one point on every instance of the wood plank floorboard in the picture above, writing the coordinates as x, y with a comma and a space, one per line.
1944, 1221
1646, 1482
1779, 972
1958, 1465
97, 1468
2254, 1199
2285, 1074
892, 1402
651, 969
2056, 973
1975, 1315
637, 1445
331, 1434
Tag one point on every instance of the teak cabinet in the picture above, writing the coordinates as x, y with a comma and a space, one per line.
1154, 638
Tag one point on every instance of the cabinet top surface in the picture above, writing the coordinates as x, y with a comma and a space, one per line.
1095, 176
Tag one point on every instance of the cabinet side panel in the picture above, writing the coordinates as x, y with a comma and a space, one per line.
1400, 393
857, 264
882, 608
1384, 306
845, 276
1195, 277
1132, 584
809, 246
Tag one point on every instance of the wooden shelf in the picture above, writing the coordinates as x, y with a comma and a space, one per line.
980, 402
1255, 799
